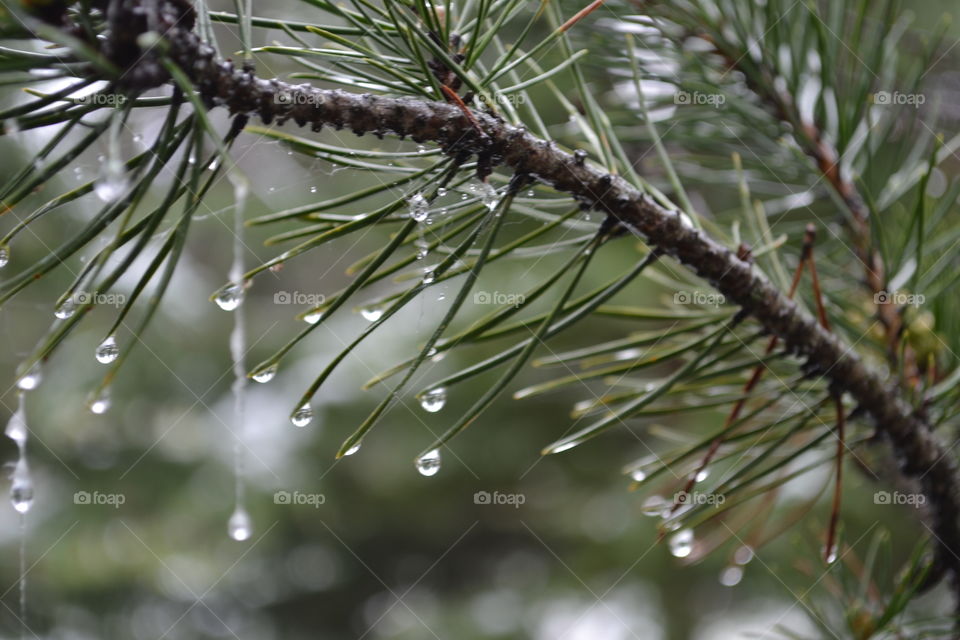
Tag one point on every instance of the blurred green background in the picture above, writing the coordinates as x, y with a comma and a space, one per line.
389, 553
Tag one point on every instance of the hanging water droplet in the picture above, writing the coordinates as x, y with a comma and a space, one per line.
31, 379
429, 276
421, 148
4, 255
638, 475
743, 555
214, 164
442, 191
302, 416
731, 576
703, 474
681, 543
352, 450
101, 403
654, 506
372, 314
112, 182
66, 309
488, 194
108, 351
434, 399
21, 489
240, 526
229, 297
100, 406
422, 253
265, 375
831, 557
313, 189
429, 463
419, 207
16, 428
313, 317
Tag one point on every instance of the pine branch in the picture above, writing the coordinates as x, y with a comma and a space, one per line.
459, 132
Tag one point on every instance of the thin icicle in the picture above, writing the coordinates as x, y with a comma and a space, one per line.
238, 340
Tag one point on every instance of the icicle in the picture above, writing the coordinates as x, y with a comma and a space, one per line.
240, 525
21, 490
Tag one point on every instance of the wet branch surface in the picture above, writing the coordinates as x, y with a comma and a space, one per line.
922, 457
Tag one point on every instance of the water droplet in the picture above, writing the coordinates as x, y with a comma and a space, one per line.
832, 556
743, 555
112, 182
302, 416
229, 297
372, 314
434, 399
66, 309
101, 403
488, 194
214, 164
442, 191
313, 317
638, 475
240, 526
21, 487
4, 255
265, 375
731, 576
681, 543
429, 463
530, 193
352, 450
429, 276
421, 148
313, 189
419, 207
422, 253
31, 379
655, 506
16, 428
108, 351
703, 474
